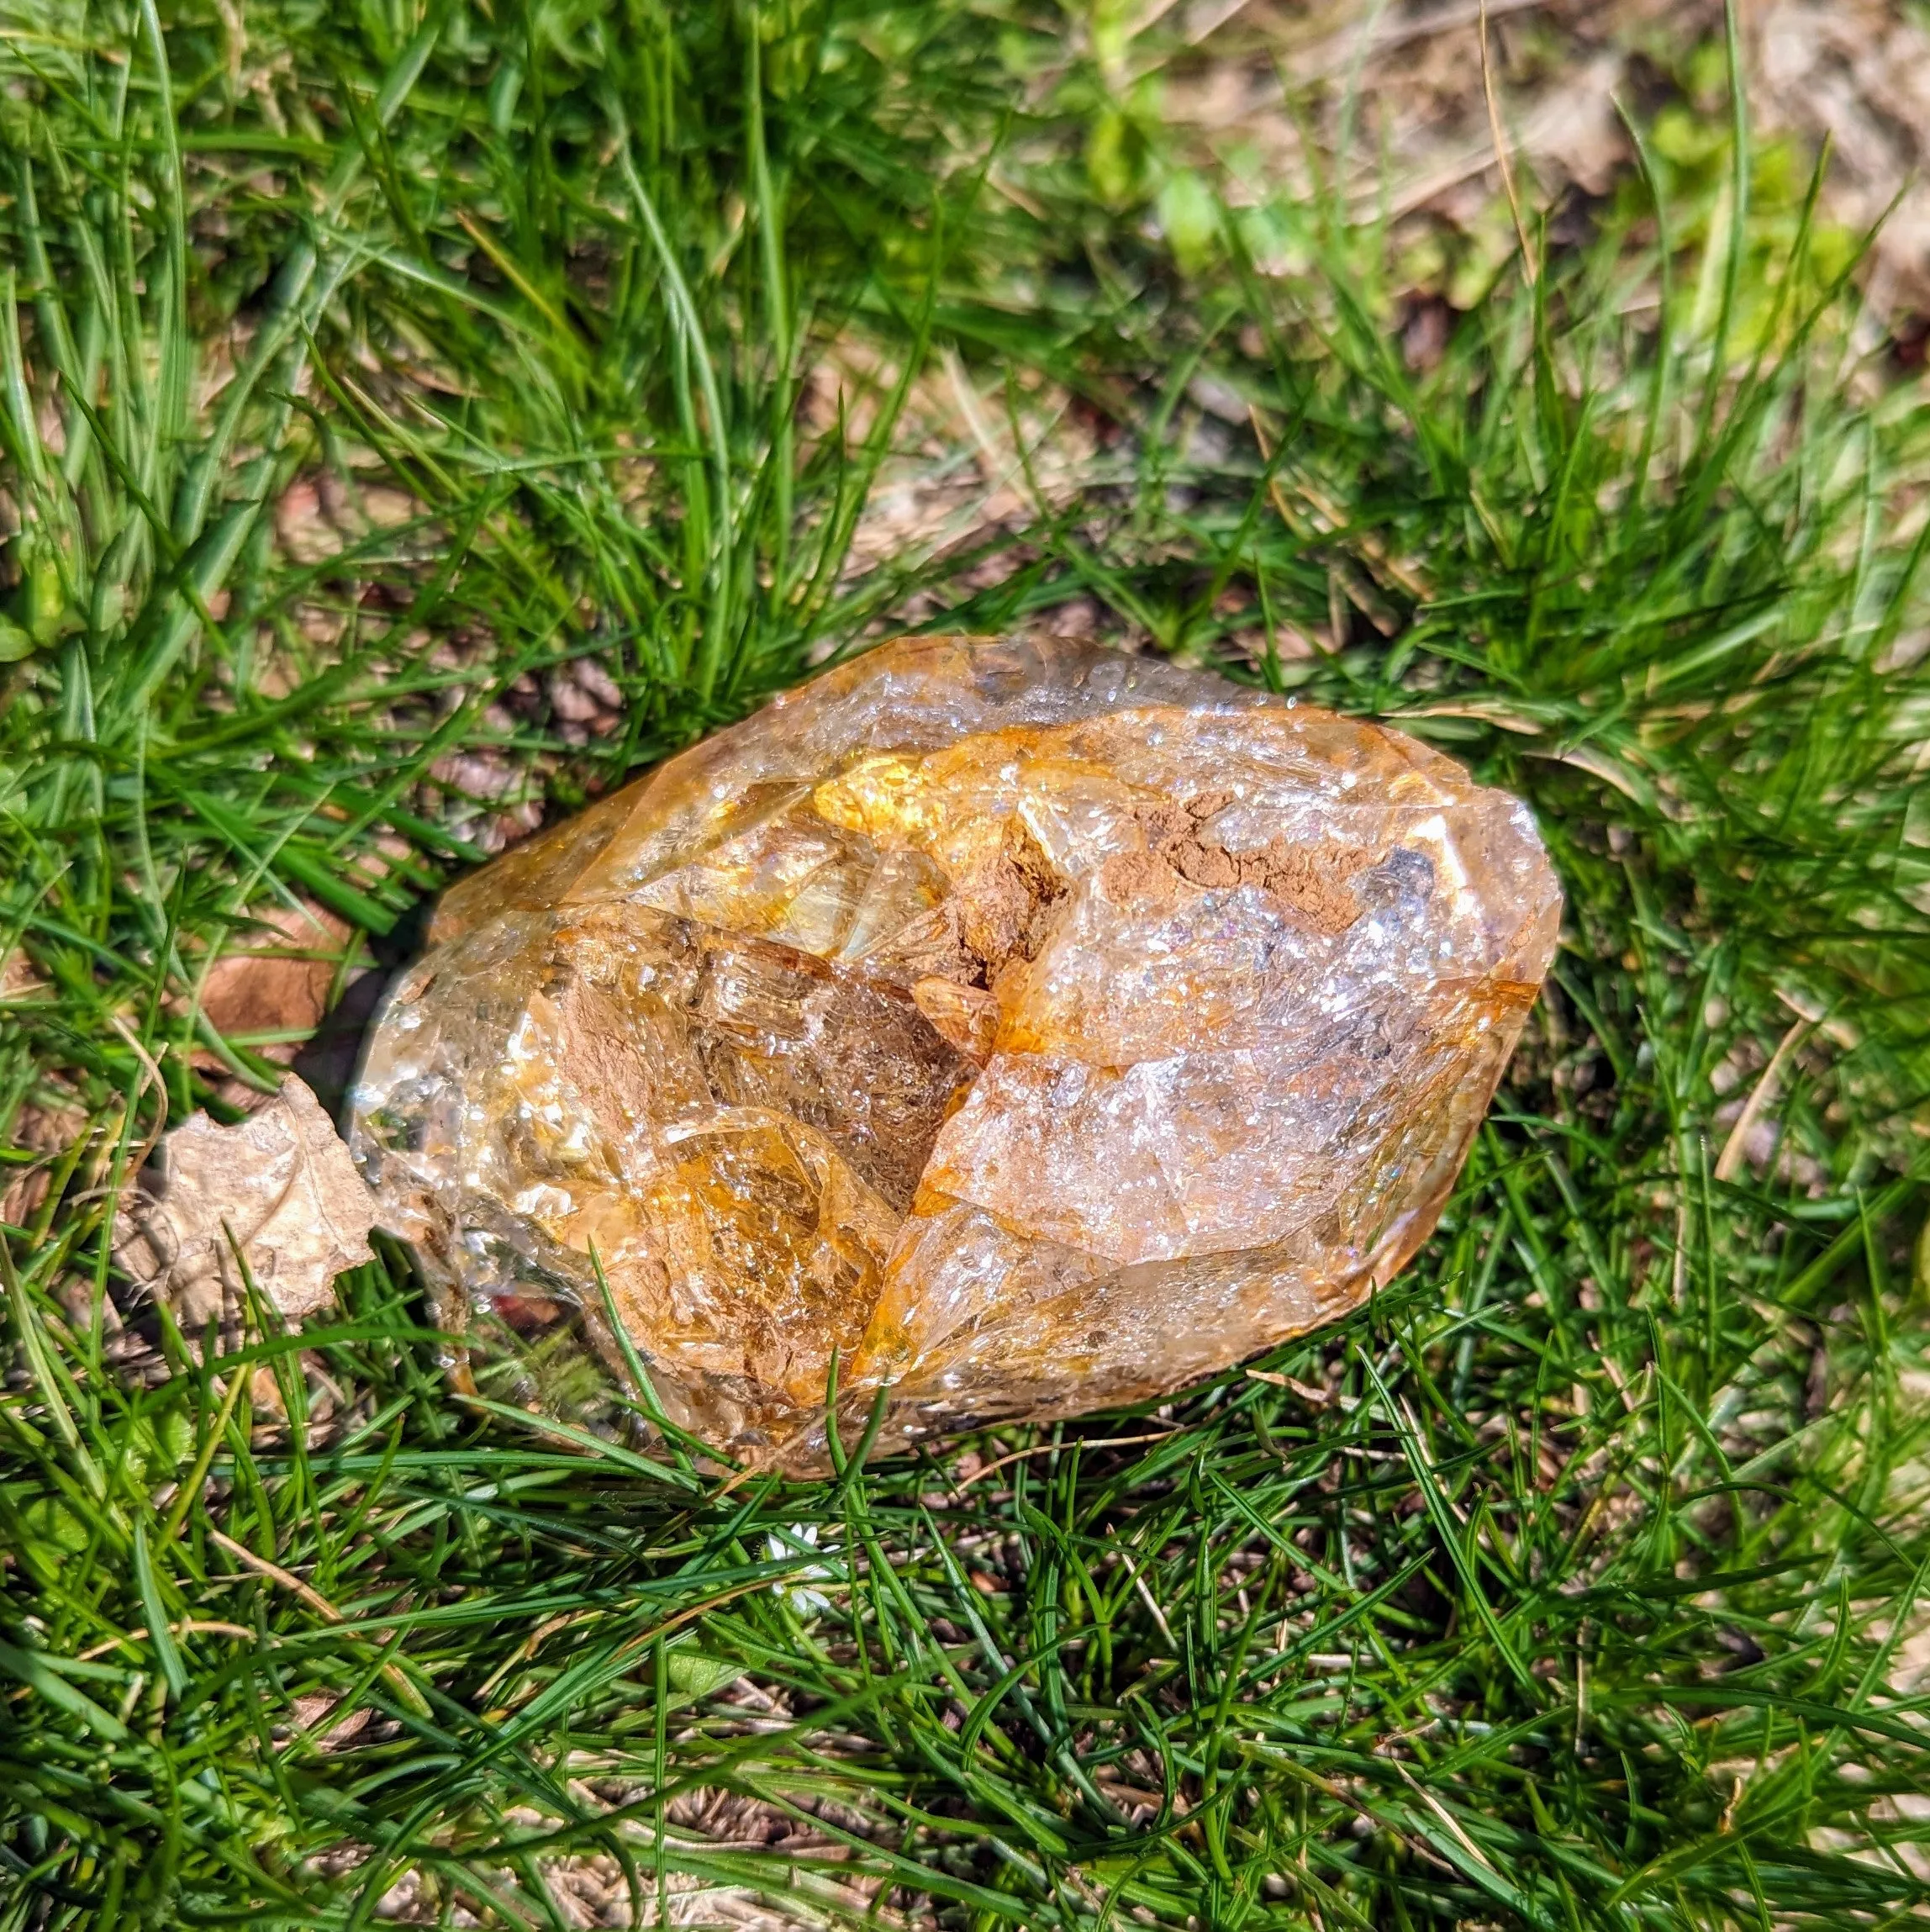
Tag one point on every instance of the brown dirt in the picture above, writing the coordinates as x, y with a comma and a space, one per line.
1006, 901
1388, 101
1308, 881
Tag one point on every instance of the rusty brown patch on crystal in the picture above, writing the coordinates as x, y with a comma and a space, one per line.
1309, 882
1005, 902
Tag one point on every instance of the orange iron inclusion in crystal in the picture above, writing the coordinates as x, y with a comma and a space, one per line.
1038, 1029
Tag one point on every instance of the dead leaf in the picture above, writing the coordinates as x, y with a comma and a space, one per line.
277, 981
314, 1716
46, 1128
1575, 125
18, 979
281, 1183
305, 530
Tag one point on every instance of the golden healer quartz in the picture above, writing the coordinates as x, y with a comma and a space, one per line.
1035, 1027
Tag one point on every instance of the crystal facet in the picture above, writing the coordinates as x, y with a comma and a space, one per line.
1035, 1027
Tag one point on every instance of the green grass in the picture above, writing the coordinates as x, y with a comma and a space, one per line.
1575, 1583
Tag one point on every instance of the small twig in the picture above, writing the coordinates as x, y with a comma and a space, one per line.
1446, 1818
1047, 1449
1621, 1388
1736, 1147
991, 458
286, 1578
188, 1627
1146, 1596
1319, 1398
1426, 1461
1501, 150
321, 1606
1276, 492
1365, 542
151, 1076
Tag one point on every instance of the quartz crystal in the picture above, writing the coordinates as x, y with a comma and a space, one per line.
1028, 1026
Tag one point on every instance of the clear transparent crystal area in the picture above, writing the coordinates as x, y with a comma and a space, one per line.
1037, 1028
